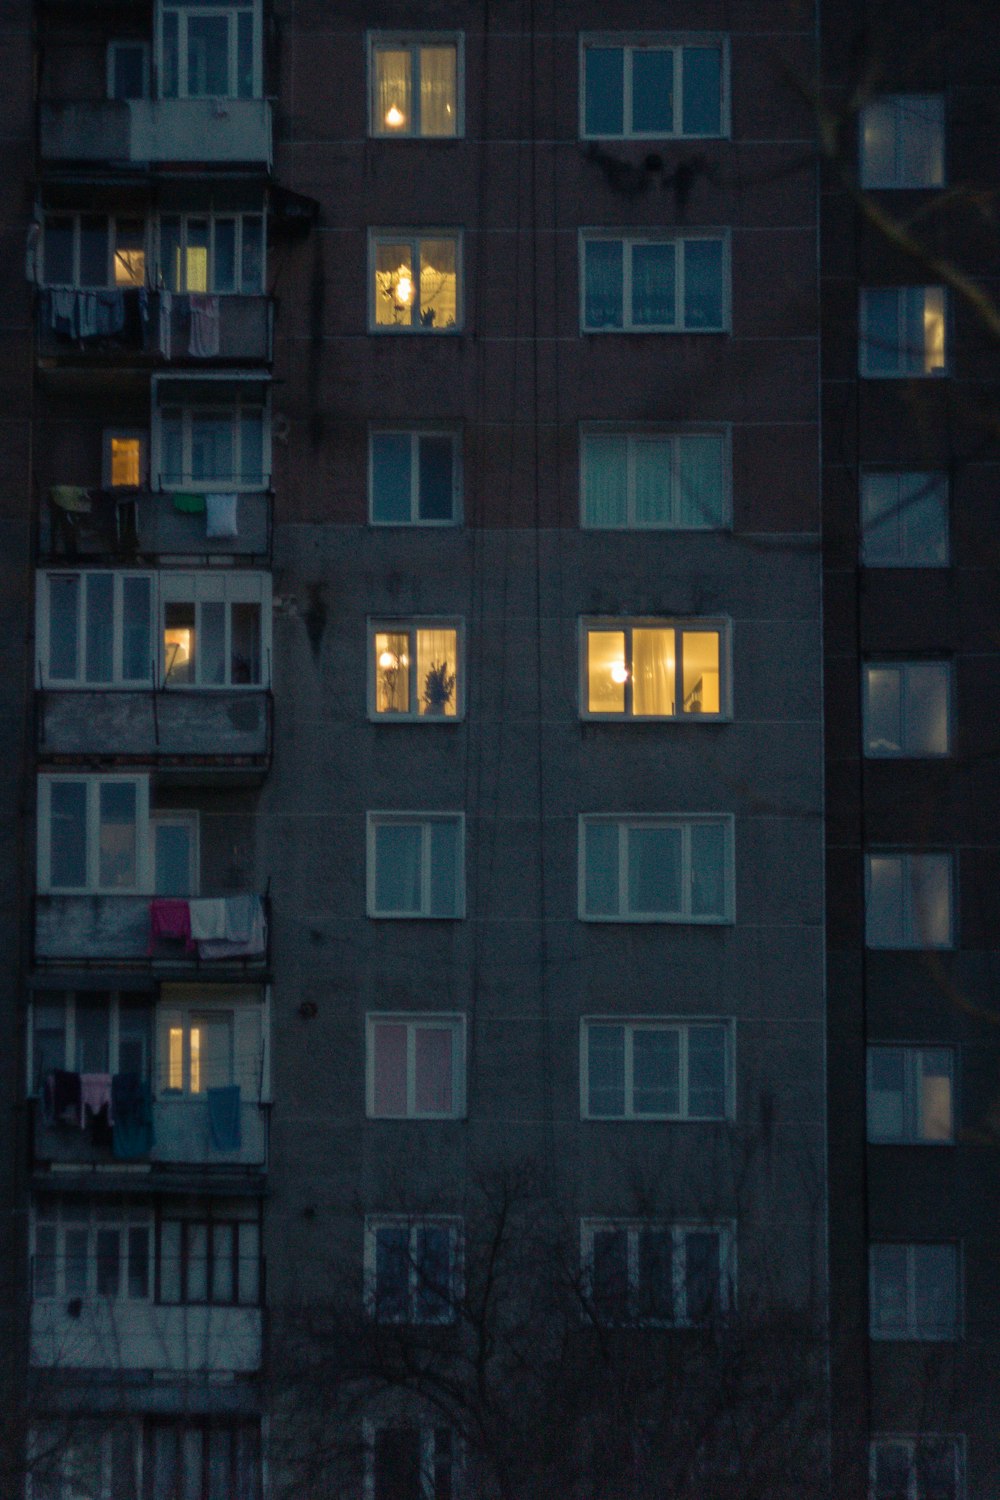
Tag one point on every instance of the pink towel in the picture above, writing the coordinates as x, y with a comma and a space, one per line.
170, 917
95, 1094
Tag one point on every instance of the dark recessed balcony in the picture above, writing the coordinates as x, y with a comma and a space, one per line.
105, 326
137, 132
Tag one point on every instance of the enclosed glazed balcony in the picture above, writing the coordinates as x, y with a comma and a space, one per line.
137, 132
107, 1335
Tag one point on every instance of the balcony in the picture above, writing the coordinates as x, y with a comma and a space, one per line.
202, 735
141, 132
105, 328
109, 1335
116, 931
143, 523
182, 1137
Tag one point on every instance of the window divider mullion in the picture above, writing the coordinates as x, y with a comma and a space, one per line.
411, 1070
683, 1106
628, 126
628, 1062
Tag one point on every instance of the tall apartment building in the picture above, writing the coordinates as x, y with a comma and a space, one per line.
911, 628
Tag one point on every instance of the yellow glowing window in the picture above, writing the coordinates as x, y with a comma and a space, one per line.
175, 1065
195, 1036
126, 460
416, 671
415, 89
130, 254
653, 671
416, 284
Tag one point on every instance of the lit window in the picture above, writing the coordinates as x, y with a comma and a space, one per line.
199, 1052
671, 1275
657, 88
908, 901
416, 1462
911, 1095
93, 833
907, 708
86, 1252
416, 865
656, 869
414, 478
904, 520
210, 446
913, 1291
95, 629
212, 253
902, 141
416, 83
94, 250
125, 457
209, 1260
416, 1067
216, 629
911, 1468
903, 331
671, 481
416, 282
210, 51
654, 1070
653, 670
668, 285
415, 670
412, 1269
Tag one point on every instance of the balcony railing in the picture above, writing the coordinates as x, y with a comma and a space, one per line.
139, 131
226, 733
104, 326
101, 1334
116, 930
181, 1137
128, 523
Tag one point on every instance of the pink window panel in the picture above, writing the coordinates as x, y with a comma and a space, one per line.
390, 1069
434, 1087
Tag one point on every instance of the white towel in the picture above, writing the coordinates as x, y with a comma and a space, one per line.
208, 918
166, 310
204, 326
220, 515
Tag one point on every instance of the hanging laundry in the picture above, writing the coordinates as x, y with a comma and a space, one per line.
132, 1105
224, 1118
204, 337
246, 931
61, 1097
208, 919
170, 917
63, 305
71, 497
220, 520
95, 1096
189, 504
110, 312
166, 314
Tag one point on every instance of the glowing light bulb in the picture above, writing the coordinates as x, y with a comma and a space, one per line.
387, 660
394, 117
619, 672
404, 288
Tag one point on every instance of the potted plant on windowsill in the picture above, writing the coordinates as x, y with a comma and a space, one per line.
439, 686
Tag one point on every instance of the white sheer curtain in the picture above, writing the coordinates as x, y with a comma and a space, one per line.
437, 91
653, 672
653, 481
603, 270
699, 501
437, 653
392, 106
605, 481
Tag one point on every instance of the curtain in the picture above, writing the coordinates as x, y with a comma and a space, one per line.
398, 851
654, 291
702, 283
708, 870
438, 284
433, 1055
604, 283
437, 91
605, 479
653, 481
393, 107
436, 666
654, 670
700, 490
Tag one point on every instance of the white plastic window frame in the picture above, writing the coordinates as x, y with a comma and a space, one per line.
916, 1331
913, 1444
411, 626
93, 783
125, 1220
454, 1227
227, 587
453, 435
630, 43
628, 239
174, 392
935, 484
682, 1026
413, 238
451, 1022
897, 105
230, 14
413, 42
423, 820
912, 1054
77, 215
212, 217
685, 821
600, 624
909, 361
79, 682
909, 916
679, 1230
905, 669
67, 1001
634, 437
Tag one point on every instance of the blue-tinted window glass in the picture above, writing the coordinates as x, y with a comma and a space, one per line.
656, 1275
436, 478
606, 1070
656, 1072
654, 294
601, 869
654, 870
432, 1294
244, 55
397, 867
703, 283
605, 90
707, 1072
609, 1273
100, 627
653, 92
702, 1271
603, 275
68, 835
136, 638
64, 606
881, 331
702, 91
444, 869
392, 1272
391, 476
169, 71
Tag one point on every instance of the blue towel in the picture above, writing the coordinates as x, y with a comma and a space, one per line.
132, 1107
224, 1118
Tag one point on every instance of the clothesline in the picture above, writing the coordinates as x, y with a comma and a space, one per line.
217, 927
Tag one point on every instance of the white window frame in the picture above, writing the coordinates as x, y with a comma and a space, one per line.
227, 586
93, 784
629, 43
910, 361
450, 1022
414, 1222
629, 239
911, 1108
600, 624
913, 1444
413, 238
905, 670
212, 218
424, 820
230, 13
679, 1231
238, 389
77, 215
934, 484
411, 626
414, 42
67, 1000
900, 107
685, 821
134, 434
124, 1220
133, 43
631, 1026
427, 1431
916, 1331
635, 438
910, 917
415, 434
79, 681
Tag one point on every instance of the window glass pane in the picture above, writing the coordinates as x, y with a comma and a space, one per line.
64, 605
886, 1093
128, 70
888, 1288
702, 692
137, 643
925, 312
708, 870
215, 1053
880, 518
653, 672
59, 250
392, 1272
245, 655
927, 708
398, 850
601, 869
392, 672
605, 90
68, 833
245, 80
223, 1251
934, 1101
444, 854
391, 477
605, 481
220, 1466
193, 1463
389, 1041
197, 1262
171, 54
212, 668
75, 1262
249, 1243
108, 1269
437, 672
702, 283
173, 857
921, 140
884, 726
438, 98
604, 283
934, 1289
196, 259
702, 1272
252, 447
652, 91
654, 870
134, 1037
606, 1070
438, 284
211, 447
653, 460
607, 671
433, 1289
48, 1042
878, 144
881, 350
395, 293
436, 481
923, 519
44, 1284
609, 1273
930, 883
208, 56
392, 109
396, 1464
702, 91
884, 901
656, 1061
654, 294
93, 250
170, 1261
433, 1062
707, 1072
130, 253
170, 252
138, 1263
252, 273
701, 482
224, 268
117, 868
179, 644
936, 1476
100, 627
93, 1024
656, 1275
